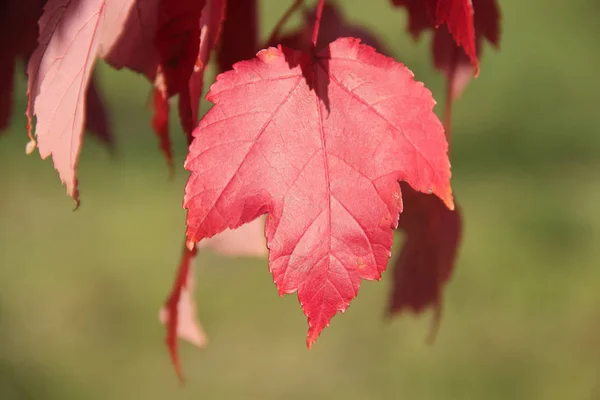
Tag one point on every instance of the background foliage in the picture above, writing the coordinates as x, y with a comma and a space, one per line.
80, 292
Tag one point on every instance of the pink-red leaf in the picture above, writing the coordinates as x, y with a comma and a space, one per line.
71, 35
134, 48
319, 142
427, 259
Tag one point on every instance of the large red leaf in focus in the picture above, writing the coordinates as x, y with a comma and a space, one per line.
319, 142
239, 40
427, 259
71, 35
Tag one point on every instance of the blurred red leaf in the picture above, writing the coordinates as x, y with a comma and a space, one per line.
18, 21
458, 17
333, 26
160, 124
421, 14
239, 40
134, 48
96, 115
459, 28
287, 137
452, 60
426, 261
187, 33
179, 311
177, 41
210, 31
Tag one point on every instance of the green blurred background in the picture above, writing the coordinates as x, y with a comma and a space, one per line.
80, 291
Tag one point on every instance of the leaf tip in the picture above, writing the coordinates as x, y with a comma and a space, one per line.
313, 334
449, 200
30, 146
476, 69
311, 338
190, 244
173, 354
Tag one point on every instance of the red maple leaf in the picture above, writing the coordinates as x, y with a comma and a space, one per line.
427, 259
319, 142
71, 35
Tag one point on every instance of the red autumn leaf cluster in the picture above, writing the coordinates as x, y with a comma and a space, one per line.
459, 29
310, 137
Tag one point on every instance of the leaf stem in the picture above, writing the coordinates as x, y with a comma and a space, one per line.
315, 34
283, 20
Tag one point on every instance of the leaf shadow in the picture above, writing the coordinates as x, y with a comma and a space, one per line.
315, 70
